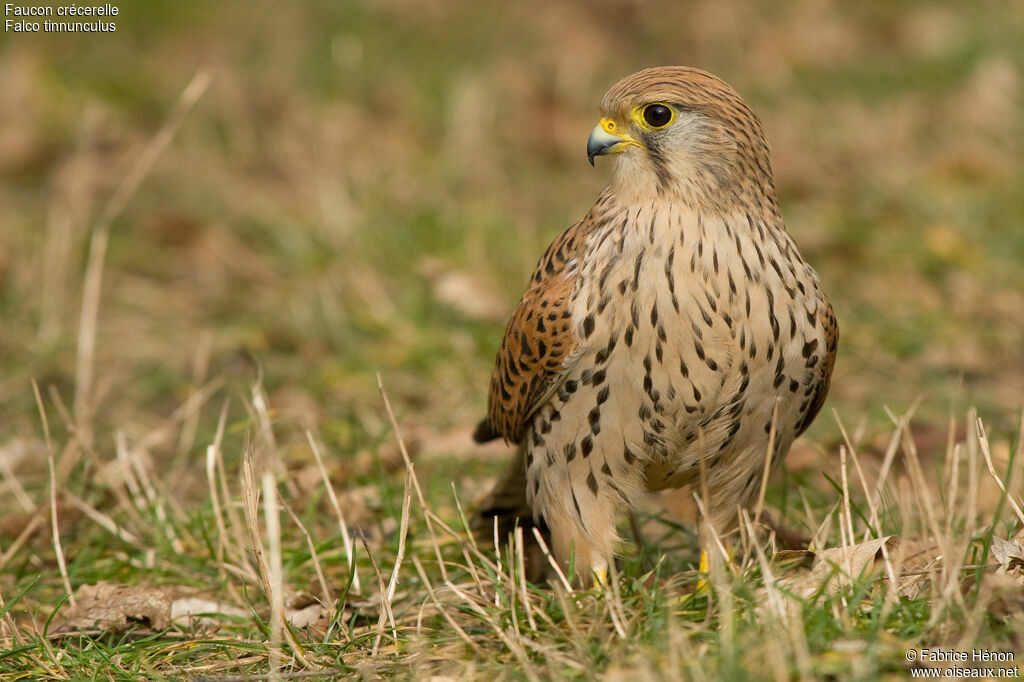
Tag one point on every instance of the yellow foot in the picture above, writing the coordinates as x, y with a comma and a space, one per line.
600, 573
702, 568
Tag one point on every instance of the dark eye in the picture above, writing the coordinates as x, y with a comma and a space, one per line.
657, 115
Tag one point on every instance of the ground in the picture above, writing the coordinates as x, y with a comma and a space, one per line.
224, 228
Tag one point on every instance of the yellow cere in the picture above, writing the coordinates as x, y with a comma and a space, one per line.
611, 127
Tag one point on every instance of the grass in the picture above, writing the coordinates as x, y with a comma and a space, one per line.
479, 616
200, 285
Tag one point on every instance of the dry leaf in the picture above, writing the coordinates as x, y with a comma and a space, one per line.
836, 566
302, 608
308, 615
109, 607
1008, 553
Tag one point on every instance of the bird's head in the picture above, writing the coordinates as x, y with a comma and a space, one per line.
679, 132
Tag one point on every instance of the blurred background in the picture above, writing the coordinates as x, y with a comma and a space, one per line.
365, 187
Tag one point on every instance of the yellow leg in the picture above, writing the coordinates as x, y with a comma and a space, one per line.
703, 567
600, 572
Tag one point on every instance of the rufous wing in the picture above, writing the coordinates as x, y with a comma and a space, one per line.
537, 340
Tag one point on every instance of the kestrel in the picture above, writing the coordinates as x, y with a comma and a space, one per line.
676, 322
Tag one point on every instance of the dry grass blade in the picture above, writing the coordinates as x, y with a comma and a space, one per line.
769, 453
846, 516
325, 589
276, 578
42, 416
442, 610
551, 560
576, 636
55, 528
91, 289
775, 597
346, 538
190, 425
717, 571
385, 606
973, 470
460, 539
100, 518
155, 499
470, 565
890, 456
514, 645
497, 553
265, 573
239, 528
68, 455
10, 633
524, 596
388, 597
920, 484
987, 454
949, 576
510, 587
462, 517
300, 675
785, 612
250, 504
876, 523
951, 474
713, 532
12, 483
613, 598
412, 474
213, 453
54, 523
28, 531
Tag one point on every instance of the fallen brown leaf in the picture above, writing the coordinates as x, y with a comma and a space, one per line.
833, 567
1009, 553
110, 607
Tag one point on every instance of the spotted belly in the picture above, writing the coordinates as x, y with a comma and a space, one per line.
692, 358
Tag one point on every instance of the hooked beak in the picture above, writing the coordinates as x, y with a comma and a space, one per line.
605, 138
